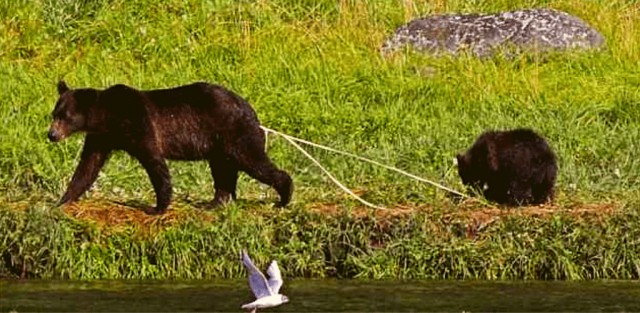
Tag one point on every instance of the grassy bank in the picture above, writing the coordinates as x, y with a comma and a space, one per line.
113, 242
312, 69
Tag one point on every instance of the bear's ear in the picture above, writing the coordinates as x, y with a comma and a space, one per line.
62, 87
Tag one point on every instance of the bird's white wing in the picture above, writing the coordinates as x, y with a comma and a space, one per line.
257, 282
275, 277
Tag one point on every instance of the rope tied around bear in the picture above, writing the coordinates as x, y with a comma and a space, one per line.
294, 141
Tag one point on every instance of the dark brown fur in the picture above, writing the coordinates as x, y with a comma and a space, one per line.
192, 122
515, 167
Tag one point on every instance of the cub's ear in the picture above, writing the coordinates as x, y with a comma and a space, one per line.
62, 87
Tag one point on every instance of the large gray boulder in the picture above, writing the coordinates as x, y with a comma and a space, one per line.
484, 34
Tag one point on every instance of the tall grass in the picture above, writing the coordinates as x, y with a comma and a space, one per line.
38, 243
312, 69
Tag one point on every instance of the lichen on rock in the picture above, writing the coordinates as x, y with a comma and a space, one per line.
483, 35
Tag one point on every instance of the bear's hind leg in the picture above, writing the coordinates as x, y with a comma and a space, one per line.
253, 160
264, 171
543, 192
225, 179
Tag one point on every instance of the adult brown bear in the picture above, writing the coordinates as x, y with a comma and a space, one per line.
200, 121
515, 167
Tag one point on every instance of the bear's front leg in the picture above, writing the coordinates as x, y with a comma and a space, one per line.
519, 193
158, 172
496, 192
94, 154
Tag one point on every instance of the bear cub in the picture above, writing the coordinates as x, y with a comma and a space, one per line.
514, 167
199, 121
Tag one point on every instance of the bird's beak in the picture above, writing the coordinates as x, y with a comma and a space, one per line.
285, 299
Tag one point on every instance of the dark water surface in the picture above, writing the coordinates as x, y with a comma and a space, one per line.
321, 296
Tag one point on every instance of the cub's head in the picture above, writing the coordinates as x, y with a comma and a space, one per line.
70, 112
466, 170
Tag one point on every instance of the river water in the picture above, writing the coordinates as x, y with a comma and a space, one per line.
321, 296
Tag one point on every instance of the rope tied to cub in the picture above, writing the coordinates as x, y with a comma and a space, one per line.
294, 141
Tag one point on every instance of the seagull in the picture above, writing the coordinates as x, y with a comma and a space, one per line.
266, 291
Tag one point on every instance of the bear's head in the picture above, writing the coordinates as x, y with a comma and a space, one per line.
70, 112
468, 173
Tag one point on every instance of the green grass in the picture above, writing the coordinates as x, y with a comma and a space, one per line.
37, 243
312, 69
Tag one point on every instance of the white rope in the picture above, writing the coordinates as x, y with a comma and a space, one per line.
335, 180
294, 139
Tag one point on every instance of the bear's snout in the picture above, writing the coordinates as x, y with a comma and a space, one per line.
57, 131
53, 135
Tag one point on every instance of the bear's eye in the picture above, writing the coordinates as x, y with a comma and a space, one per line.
65, 116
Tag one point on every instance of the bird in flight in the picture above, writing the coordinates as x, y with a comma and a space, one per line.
266, 291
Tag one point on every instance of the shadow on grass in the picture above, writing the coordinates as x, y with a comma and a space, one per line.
202, 205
